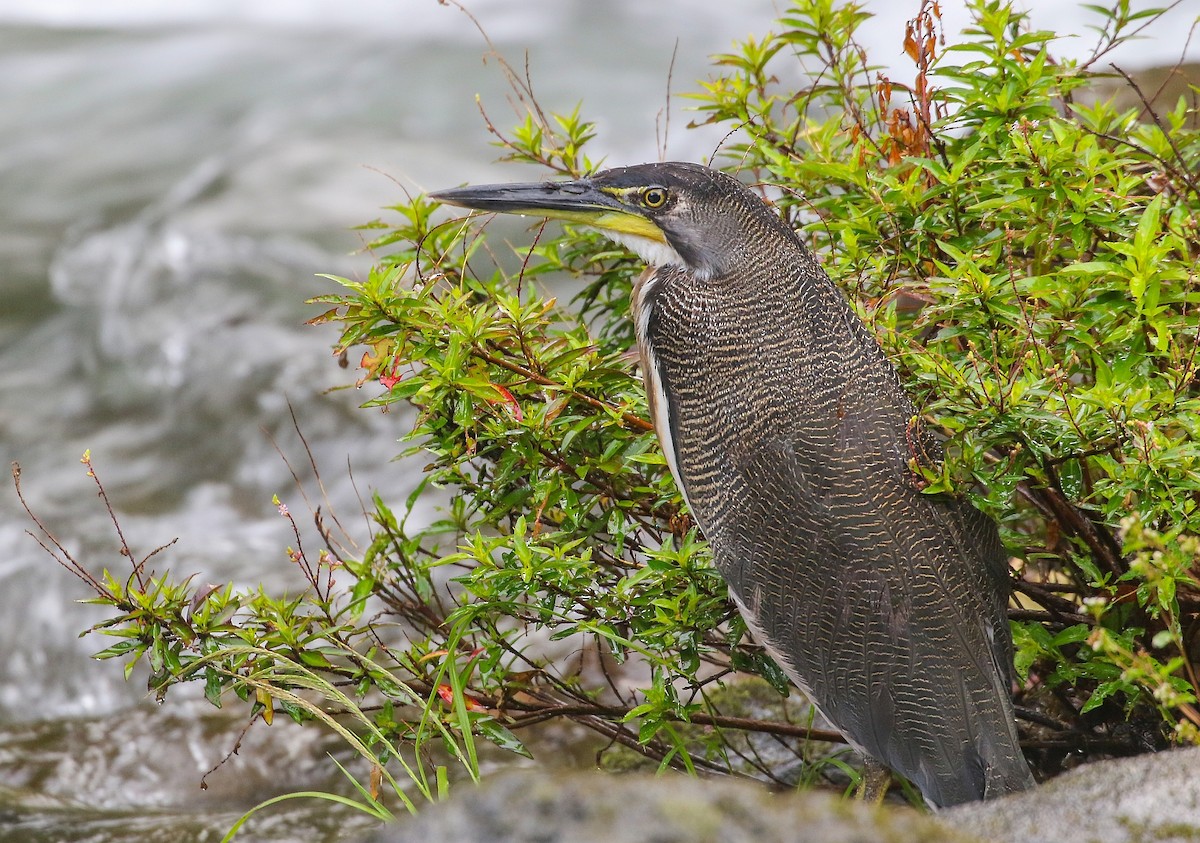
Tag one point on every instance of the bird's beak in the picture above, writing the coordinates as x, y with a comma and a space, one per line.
573, 201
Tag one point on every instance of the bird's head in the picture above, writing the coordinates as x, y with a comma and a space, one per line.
668, 213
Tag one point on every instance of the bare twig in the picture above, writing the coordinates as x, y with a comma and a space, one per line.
634, 421
49, 543
661, 137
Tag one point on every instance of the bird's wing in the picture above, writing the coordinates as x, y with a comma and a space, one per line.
789, 433
859, 585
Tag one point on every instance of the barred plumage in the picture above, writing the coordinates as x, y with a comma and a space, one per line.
790, 436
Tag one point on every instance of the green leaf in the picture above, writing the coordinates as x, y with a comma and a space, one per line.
501, 737
213, 685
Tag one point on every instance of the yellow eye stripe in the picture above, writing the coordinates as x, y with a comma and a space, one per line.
652, 197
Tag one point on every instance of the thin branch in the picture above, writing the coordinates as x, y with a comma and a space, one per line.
55, 548
1181, 172
631, 419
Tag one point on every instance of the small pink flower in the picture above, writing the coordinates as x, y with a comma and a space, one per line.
391, 377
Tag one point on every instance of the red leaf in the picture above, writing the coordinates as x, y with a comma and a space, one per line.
910, 42
447, 694
510, 401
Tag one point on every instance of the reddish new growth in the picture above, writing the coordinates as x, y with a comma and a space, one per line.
391, 377
510, 401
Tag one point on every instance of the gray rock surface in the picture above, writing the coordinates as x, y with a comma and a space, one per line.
1148, 799
1130, 800
548, 807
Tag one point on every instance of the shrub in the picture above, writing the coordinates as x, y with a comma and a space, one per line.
1027, 258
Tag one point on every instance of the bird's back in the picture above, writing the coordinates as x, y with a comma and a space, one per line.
792, 439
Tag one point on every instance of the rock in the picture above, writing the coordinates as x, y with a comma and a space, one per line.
548, 807
1130, 800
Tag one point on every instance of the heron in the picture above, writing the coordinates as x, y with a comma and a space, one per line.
791, 439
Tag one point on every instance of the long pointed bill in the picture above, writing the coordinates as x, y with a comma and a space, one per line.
573, 201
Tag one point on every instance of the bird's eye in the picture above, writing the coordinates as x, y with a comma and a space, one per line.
654, 197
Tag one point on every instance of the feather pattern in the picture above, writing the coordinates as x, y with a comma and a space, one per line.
790, 435
791, 439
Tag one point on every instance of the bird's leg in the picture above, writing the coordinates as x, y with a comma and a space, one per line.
875, 780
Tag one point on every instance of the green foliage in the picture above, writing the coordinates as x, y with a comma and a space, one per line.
1027, 258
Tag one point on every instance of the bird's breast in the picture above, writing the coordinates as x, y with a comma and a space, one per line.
644, 290
735, 370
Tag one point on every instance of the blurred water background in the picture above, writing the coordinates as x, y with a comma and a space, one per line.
172, 177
